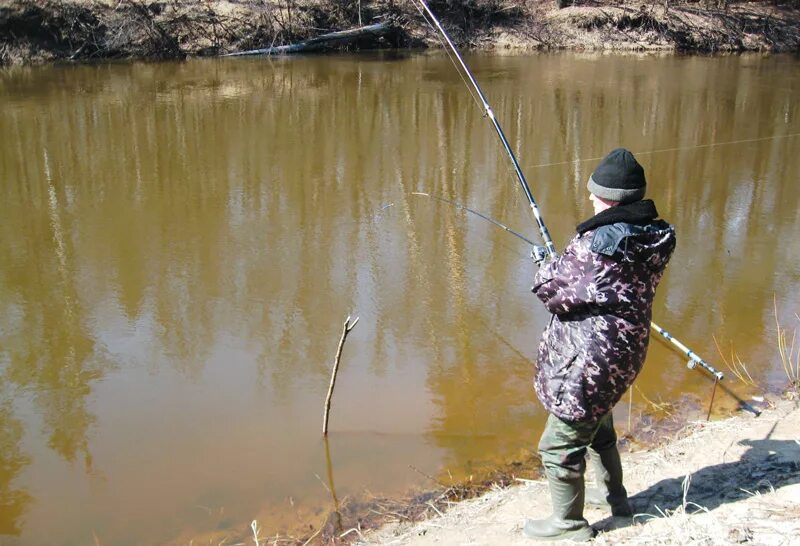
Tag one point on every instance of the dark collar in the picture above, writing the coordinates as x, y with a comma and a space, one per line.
638, 212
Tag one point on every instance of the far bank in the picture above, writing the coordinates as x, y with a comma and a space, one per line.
36, 31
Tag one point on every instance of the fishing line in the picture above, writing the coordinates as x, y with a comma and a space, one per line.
691, 354
487, 218
545, 234
449, 54
511, 171
694, 359
476, 99
677, 149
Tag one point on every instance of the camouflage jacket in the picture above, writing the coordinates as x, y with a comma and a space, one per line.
600, 293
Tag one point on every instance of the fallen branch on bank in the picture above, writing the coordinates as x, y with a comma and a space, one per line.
320, 42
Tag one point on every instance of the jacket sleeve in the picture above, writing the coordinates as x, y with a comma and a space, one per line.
567, 284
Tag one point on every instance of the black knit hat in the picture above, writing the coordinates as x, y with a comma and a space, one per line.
618, 177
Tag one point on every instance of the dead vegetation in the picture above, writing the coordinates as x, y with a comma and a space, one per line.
47, 30
680, 25
353, 518
789, 352
87, 30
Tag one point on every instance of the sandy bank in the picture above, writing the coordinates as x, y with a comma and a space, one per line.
725, 482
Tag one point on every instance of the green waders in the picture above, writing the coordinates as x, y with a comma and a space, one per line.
563, 448
609, 493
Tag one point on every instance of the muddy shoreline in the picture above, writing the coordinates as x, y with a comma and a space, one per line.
659, 428
356, 520
41, 31
727, 481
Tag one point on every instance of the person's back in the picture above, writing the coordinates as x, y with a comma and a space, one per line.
600, 292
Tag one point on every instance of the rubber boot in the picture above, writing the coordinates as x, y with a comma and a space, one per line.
609, 493
566, 521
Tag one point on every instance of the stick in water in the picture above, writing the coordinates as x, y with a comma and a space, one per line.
345, 330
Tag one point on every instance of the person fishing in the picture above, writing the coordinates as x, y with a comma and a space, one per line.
600, 293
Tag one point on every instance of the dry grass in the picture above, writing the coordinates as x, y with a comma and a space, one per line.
724, 482
662, 408
788, 352
735, 365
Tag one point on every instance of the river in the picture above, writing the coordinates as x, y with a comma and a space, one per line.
180, 244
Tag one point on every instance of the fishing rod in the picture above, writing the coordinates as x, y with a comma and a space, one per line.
548, 241
694, 358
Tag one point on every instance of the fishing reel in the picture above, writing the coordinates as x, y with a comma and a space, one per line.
538, 254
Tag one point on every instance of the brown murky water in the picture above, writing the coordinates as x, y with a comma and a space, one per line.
180, 244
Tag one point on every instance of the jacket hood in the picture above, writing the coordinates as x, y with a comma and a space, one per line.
651, 243
631, 232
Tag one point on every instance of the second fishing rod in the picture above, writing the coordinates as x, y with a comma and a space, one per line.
450, 48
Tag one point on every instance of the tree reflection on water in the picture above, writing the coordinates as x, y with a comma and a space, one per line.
169, 292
